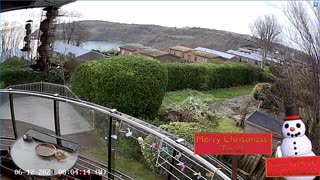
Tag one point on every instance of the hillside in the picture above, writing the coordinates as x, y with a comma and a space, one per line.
162, 37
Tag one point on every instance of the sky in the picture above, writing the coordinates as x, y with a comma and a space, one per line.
234, 16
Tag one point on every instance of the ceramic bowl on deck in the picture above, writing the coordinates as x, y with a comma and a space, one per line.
45, 149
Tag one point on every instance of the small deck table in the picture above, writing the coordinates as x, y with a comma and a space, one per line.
25, 157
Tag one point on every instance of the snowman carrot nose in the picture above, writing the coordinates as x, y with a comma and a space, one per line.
292, 129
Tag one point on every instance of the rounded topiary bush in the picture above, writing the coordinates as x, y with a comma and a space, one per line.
261, 91
130, 84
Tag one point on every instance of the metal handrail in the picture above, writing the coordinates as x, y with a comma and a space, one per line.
118, 115
41, 89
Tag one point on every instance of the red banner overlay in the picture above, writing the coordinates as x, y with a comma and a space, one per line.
233, 143
293, 166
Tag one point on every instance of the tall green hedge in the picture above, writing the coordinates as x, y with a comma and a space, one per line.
133, 85
19, 76
186, 76
16, 71
13, 63
206, 76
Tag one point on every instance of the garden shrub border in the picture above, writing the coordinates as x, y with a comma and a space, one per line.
208, 76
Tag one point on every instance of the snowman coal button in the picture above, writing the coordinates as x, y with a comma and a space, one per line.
294, 143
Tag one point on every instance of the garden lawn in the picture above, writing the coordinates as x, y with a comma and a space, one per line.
226, 124
213, 95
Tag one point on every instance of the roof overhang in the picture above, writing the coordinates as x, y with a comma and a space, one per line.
16, 5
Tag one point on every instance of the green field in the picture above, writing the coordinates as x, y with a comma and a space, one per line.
213, 95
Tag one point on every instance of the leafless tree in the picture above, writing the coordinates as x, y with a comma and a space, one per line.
267, 30
13, 32
69, 29
299, 83
11, 35
244, 110
305, 20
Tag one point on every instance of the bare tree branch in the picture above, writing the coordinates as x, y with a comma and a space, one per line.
301, 85
267, 30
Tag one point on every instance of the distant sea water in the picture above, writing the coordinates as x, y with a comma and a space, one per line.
98, 45
102, 45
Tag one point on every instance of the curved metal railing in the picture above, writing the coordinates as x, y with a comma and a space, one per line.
166, 141
45, 87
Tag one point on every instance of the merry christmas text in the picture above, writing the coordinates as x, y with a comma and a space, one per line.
233, 143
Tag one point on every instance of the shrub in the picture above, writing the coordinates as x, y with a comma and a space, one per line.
129, 148
268, 77
131, 84
71, 65
185, 130
19, 76
2, 85
191, 109
275, 70
150, 155
262, 93
207, 76
15, 71
55, 76
261, 90
184, 76
13, 63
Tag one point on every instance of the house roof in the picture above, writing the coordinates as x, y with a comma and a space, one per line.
68, 48
204, 54
153, 52
218, 53
132, 47
253, 56
181, 48
266, 121
15, 5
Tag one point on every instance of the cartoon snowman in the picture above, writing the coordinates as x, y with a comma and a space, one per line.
295, 142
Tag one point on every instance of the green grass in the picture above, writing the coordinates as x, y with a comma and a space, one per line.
213, 95
131, 167
226, 125
136, 170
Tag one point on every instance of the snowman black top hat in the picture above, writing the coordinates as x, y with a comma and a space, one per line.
292, 113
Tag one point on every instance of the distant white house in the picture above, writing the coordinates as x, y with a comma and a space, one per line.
78, 52
15, 52
253, 58
223, 55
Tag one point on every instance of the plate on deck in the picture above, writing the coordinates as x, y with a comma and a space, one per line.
45, 149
